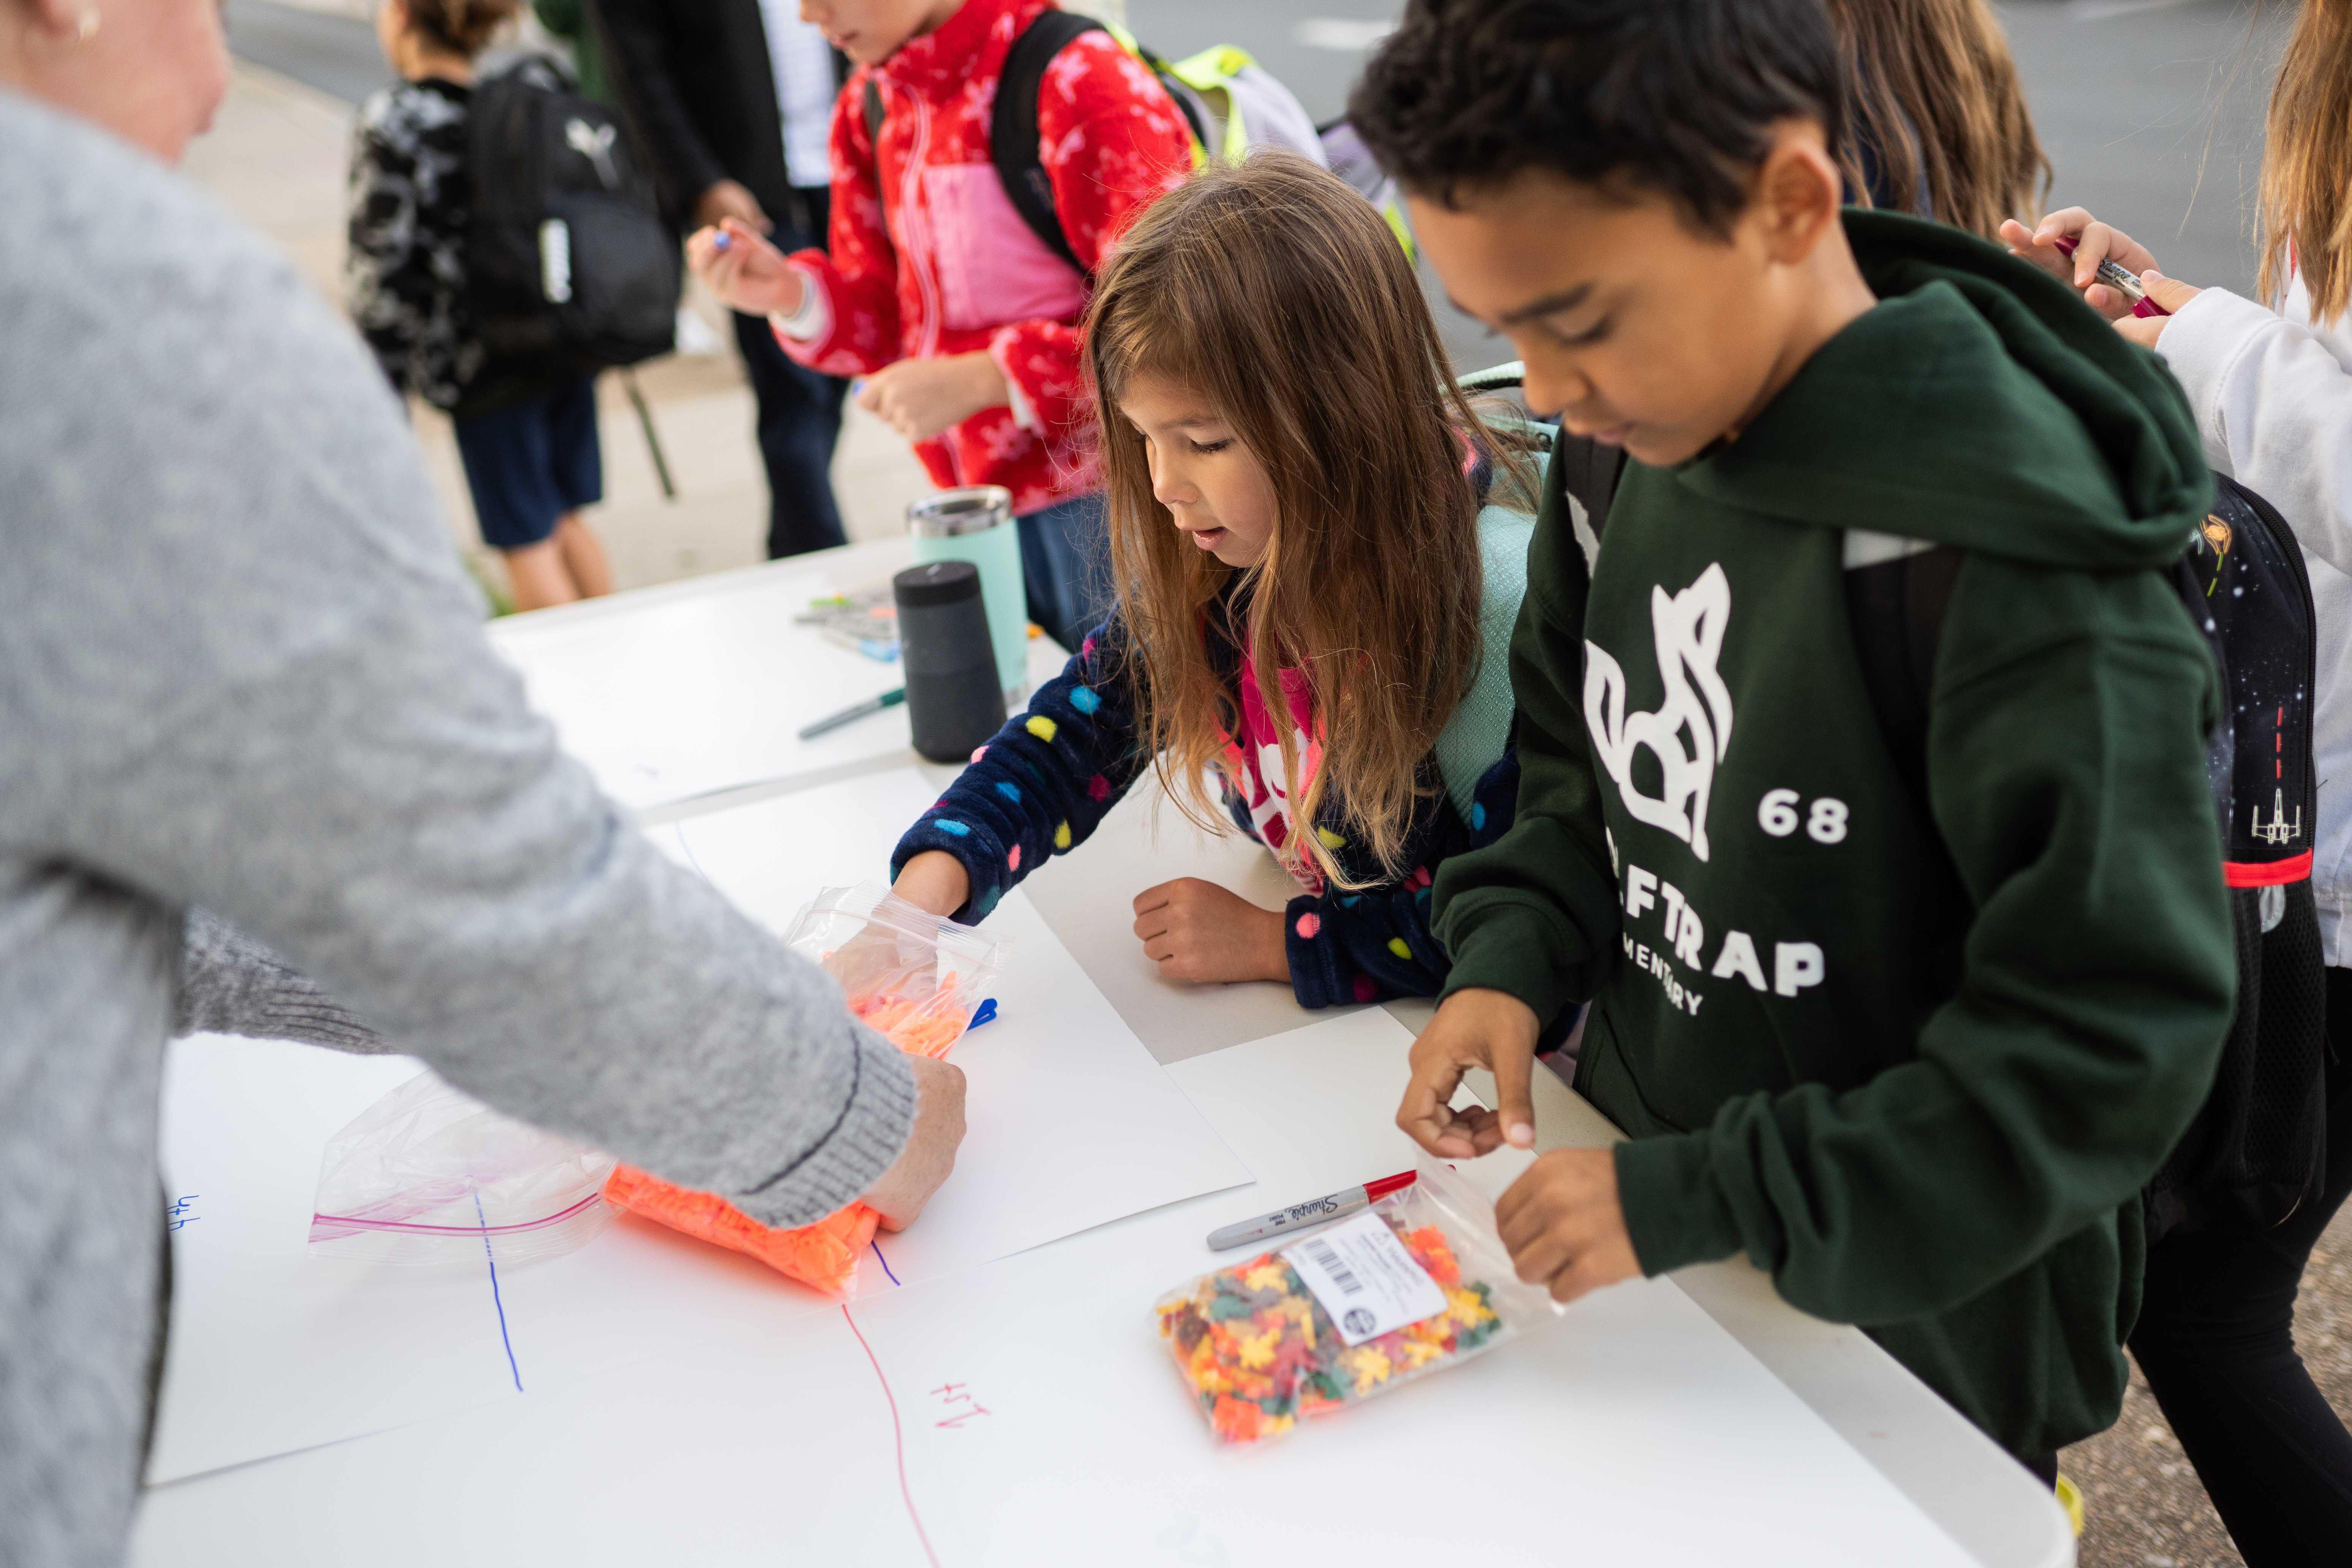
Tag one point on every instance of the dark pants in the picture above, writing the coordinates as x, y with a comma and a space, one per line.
2214, 1338
1065, 568
799, 418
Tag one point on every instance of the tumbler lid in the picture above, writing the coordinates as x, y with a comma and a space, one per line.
938, 582
974, 509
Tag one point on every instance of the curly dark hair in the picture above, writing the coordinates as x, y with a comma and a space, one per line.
1674, 96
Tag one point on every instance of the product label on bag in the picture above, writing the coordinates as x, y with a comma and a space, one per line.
1362, 1275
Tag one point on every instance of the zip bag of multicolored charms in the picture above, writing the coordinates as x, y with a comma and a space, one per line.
1416, 1283
920, 980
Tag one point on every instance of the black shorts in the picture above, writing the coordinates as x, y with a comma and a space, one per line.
531, 462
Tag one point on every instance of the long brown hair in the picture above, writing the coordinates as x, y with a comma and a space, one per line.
1274, 292
2306, 207
1932, 88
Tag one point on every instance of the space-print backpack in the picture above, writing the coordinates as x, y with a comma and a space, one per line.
2257, 1149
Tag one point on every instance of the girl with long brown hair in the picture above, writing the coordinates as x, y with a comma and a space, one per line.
1314, 598
1937, 120
2271, 387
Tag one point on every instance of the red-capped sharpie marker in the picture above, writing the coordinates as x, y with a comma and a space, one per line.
1298, 1216
2118, 278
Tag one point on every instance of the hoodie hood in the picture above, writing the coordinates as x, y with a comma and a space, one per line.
2050, 439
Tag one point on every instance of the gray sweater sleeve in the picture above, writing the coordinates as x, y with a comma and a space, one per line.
264, 689
231, 984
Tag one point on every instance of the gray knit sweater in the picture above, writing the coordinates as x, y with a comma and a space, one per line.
240, 667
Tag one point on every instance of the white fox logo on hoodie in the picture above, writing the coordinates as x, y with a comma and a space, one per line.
1688, 630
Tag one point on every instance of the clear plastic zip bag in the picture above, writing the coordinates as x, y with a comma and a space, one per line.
915, 977
922, 982
1416, 1283
428, 1175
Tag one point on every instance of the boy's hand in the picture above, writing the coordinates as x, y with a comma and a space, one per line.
1564, 1225
934, 882
901, 1193
2094, 242
1474, 1028
920, 397
746, 273
1197, 931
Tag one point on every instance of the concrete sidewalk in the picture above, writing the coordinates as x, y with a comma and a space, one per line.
276, 157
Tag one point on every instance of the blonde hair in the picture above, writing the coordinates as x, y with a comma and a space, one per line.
2307, 218
1274, 293
1930, 84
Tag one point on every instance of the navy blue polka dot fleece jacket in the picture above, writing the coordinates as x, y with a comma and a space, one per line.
1053, 772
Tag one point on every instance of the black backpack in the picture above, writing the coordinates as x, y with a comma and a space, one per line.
2257, 1149
569, 267
1012, 120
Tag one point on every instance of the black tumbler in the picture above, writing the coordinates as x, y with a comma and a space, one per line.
954, 700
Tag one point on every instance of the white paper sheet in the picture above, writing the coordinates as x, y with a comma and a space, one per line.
1068, 1437
273, 1349
1071, 1124
1034, 1417
783, 1451
666, 696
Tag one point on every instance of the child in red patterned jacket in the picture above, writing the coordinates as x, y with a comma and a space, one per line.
964, 323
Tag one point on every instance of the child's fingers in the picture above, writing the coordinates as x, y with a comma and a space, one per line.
1425, 1117
2065, 221
1514, 1090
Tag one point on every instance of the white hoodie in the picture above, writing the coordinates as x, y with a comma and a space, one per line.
2273, 392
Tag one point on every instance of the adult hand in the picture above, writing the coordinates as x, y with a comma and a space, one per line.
920, 397
1564, 1224
727, 199
1197, 931
901, 1193
1481, 1028
2093, 242
746, 273
934, 882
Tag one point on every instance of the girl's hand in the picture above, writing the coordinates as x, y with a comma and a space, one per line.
746, 273
1475, 1027
2169, 292
920, 397
934, 882
1565, 1226
2094, 242
1197, 931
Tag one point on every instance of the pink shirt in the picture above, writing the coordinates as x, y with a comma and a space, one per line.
1255, 755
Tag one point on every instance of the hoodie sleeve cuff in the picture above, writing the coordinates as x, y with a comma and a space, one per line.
813, 320
1500, 944
865, 1141
231, 984
1675, 1210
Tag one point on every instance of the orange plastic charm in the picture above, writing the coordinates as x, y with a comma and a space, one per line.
823, 1254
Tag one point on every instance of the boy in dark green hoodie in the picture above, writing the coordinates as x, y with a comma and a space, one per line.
1910, 1031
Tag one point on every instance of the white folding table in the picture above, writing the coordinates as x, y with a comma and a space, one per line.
777, 1454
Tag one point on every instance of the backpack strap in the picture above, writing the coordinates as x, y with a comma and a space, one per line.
1894, 608
1589, 471
1013, 126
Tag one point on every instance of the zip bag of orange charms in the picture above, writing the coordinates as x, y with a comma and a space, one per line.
1412, 1285
922, 982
